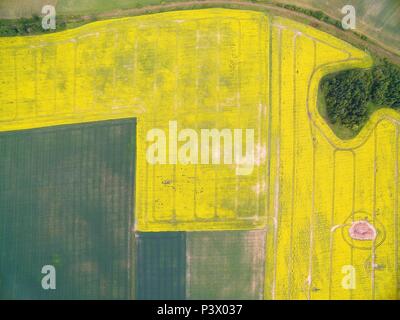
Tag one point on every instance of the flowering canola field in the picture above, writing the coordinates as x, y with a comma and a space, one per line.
219, 68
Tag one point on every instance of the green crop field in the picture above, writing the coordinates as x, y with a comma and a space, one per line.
66, 199
161, 265
225, 264
379, 20
10, 9
97, 6
200, 265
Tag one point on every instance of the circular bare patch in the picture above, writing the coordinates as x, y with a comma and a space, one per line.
362, 230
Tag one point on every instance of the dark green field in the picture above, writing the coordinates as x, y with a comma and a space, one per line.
66, 199
161, 265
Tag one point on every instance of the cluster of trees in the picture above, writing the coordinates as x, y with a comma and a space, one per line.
26, 26
385, 89
320, 15
20, 26
347, 97
350, 96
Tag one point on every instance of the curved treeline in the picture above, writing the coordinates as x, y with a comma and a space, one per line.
351, 96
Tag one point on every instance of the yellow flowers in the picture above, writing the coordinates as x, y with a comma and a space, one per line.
219, 69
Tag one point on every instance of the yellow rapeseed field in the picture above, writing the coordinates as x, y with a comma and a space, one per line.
219, 68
